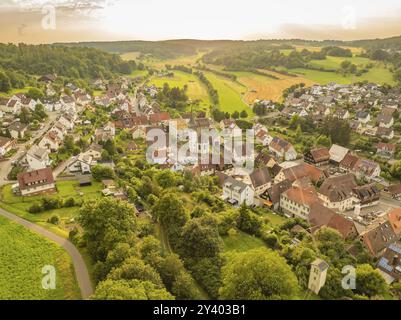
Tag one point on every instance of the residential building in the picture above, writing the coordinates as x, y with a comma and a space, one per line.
394, 217
237, 192
36, 182
282, 149
389, 264
338, 153
318, 157
261, 180
378, 238
38, 158
6, 145
17, 130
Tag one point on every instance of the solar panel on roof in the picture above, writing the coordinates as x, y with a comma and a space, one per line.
395, 248
384, 264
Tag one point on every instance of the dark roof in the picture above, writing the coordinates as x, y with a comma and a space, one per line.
38, 178
338, 188
379, 238
276, 190
260, 177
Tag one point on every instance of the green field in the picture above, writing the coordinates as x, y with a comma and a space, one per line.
138, 73
66, 189
23, 254
14, 91
196, 90
230, 93
241, 242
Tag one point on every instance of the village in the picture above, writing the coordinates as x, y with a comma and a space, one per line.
329, 186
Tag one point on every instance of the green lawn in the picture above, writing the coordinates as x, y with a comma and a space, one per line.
66, 189
335, 62
241, 242
139, 73
230, 93
23, 254
14, 91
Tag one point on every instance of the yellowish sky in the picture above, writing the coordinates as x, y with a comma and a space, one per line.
29, 20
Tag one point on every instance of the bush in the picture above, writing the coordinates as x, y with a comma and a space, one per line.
70, 202
54, 219
50, 204
35, 208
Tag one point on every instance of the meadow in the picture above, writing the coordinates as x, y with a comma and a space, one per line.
66, 189
23, 254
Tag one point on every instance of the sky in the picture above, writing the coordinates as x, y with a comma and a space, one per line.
43, 21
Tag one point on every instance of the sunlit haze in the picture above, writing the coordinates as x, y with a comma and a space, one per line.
21, 21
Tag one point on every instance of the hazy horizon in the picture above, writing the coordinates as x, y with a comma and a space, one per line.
41, 21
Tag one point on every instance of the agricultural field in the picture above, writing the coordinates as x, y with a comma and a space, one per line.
184, 60
23, 254
66, 189
130, 56
230, 93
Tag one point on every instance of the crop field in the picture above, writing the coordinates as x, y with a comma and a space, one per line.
23, 254
265, 88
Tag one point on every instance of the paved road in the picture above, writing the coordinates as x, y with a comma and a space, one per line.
81, 271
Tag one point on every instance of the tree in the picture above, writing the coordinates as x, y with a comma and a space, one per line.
243, 114
130, 290
235, 115
135, 268
369, 281
200, 238
258, 274
102, 172
5, 84
172, 215
106, 222
166, 179
35, 94
184, 287
338, 130
397, 76
249, 222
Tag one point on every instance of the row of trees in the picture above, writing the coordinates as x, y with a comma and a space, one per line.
213, 94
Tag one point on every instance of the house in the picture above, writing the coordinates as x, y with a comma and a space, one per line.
385, 133
95, 151
82, 164
368, 195
321, 216
356, 126
348, 163
385, 120
386, 150
66, 121
36, 182
337, 153
48, 78
297, 202
159, 118
282, 149
17, 130
395, 191
50, 142
378, 238
6, 145
300, 171
318, 275
272, 195
37, 158
368, 169
227, 123
341, 114
337, 192
389, 264
264, 160
261, 180
318, 157
363, 117
264, 138
394, 217
13, 106
237, 192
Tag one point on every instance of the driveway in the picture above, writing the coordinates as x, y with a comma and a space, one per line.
81, 271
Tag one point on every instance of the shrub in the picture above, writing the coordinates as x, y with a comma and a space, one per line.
70, 202
50, 204
54, 219
35, 208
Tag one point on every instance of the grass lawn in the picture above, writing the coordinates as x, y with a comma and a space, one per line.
335, 62
66, 189
138, 73
275, 219
241, 242
14, 91
23, 254
230, 93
